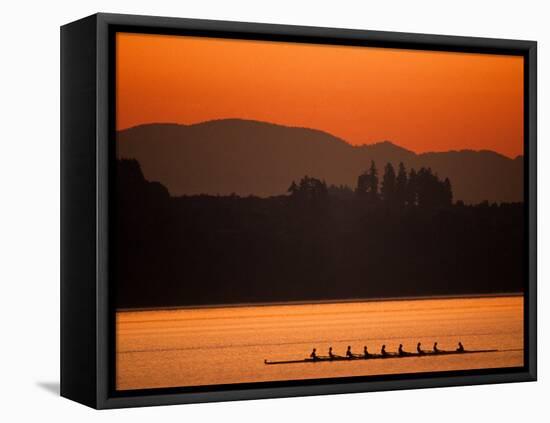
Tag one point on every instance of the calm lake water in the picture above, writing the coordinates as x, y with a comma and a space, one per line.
190, 347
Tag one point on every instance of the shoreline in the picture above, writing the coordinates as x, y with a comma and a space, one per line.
315, 302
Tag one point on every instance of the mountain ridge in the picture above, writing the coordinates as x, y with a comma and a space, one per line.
194, 159
373, 144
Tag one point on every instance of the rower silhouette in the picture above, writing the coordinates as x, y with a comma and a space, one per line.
330, 354
383, 351
419, 349
313, 354
349, 354
400, 350
435, 348
365, 352
460, 347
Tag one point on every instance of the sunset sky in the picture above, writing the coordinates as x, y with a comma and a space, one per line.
422, 101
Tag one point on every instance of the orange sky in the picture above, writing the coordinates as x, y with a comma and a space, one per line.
423, 101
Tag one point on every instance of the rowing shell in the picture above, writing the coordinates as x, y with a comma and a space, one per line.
377, 356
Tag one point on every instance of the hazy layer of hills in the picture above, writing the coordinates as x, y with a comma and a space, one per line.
258, 158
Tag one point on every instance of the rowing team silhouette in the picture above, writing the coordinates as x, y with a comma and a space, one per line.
383, 352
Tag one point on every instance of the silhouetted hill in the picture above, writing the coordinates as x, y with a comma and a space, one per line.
258, 158
311, 245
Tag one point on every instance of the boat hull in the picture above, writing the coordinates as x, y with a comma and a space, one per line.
387, 356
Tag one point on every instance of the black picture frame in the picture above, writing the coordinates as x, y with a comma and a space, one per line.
87, 174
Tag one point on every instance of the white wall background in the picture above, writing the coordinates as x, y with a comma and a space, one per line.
29, 211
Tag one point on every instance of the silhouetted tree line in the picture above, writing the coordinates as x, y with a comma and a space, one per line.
399, 236
309, 190
423, 188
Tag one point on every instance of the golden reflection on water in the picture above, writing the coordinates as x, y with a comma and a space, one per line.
209, 346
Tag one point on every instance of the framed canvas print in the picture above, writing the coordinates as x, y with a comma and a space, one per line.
256, 211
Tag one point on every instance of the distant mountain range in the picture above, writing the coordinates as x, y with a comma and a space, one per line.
258, 158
